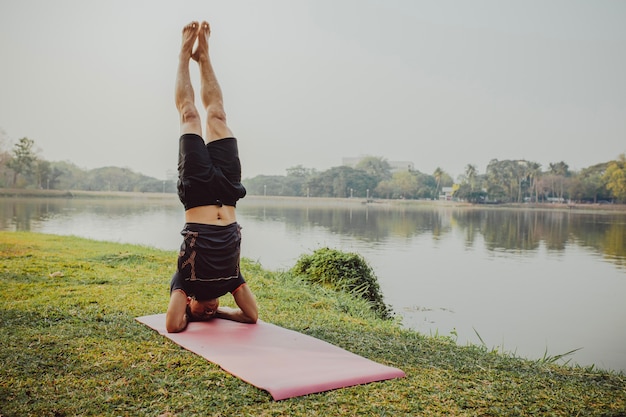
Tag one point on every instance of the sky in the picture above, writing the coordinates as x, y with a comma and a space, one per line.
439, 83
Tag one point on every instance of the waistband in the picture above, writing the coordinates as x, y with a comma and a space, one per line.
210, 228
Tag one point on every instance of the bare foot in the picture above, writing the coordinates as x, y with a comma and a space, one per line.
202, 50
190, 33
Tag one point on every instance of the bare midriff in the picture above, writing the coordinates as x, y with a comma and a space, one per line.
216, 215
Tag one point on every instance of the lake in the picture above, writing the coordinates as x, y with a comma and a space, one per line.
528, 281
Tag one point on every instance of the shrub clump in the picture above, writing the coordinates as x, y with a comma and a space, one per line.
343, 271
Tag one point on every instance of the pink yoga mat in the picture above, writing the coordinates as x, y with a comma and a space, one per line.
283, 362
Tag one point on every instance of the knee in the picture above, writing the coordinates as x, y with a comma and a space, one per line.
216, 123
216, 114
189, 115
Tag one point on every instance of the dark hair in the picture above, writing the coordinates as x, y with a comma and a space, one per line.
190, 317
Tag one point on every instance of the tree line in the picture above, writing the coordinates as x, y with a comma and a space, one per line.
505, 181
21, 167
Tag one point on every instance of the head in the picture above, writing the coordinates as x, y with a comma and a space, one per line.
202, 310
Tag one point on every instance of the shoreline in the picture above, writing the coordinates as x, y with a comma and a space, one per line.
322, 201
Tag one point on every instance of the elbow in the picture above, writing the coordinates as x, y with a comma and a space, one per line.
252, 318
172, 326
172, 329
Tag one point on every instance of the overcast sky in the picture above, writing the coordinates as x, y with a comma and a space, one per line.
440, 83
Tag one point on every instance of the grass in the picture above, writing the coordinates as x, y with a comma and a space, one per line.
70, 346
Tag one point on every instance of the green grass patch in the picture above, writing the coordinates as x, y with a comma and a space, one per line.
345, 272
69, 345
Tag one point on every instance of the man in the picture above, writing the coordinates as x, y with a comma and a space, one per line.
209, 186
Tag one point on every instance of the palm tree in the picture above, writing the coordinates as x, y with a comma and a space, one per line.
534, 172
471, 173
438, 174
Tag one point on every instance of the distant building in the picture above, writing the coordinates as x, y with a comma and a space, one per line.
446, 193
396, 166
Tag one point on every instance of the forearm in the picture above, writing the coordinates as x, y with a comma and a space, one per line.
234, 314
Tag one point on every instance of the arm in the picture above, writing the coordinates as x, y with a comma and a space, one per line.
246, 313
176, 317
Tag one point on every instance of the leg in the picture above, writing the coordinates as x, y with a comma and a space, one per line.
189, 118
247, 304
248, 312
210, 89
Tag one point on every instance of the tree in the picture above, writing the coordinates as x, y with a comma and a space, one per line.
67, 176
384, 189
409, 185
590, 185
266, 185
615, 177
23, 160
404, 184
511, 180
470, 188
557, 180
471, 173
53, 177
378, 167
300, 171
42, 174
6, 173
559, 168
426, 185
534, 173
438, 174
500, 175
341, 182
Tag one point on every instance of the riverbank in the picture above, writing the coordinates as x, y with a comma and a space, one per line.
322, 201
70, 346
36, 193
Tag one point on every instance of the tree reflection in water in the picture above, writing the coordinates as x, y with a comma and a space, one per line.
501, 229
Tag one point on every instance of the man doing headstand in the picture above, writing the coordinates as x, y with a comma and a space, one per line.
209, 186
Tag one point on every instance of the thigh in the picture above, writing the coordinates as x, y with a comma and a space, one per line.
216, 127
194, 159
224, 154
246, 302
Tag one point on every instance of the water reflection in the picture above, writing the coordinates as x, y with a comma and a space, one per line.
18, 214
24, 214
141, 220
359, 221
498, 229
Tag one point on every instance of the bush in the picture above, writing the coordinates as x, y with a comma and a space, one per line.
343, 271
